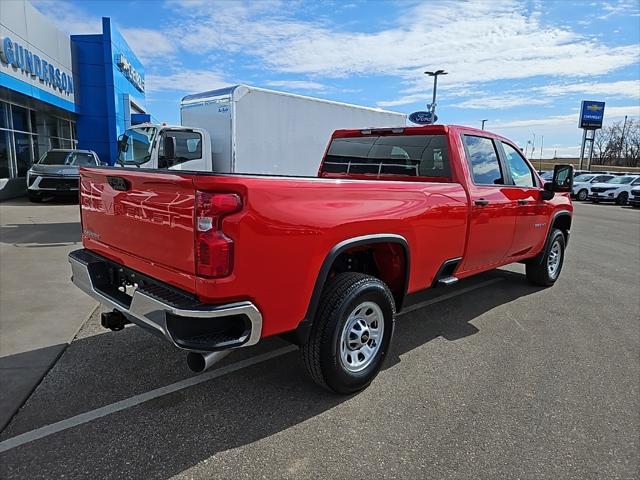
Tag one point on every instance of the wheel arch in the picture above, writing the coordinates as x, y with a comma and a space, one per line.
348, 245
560, 220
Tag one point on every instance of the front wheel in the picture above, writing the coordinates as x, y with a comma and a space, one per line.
545, 269
34, 197
582, 195
622, 198
351, 333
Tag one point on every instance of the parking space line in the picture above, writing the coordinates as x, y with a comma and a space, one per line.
138, 399
91, 415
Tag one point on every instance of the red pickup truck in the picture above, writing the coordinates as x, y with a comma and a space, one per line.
213, 261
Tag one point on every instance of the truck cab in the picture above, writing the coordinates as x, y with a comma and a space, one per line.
148, 145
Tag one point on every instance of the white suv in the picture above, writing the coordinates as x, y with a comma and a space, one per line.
615, 190
582, 184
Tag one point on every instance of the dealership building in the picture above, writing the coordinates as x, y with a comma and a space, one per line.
61, 91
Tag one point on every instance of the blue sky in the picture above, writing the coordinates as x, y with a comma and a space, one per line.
523, 65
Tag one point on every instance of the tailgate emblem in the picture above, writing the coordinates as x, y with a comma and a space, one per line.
119, 183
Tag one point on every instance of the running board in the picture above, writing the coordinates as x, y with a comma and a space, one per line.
445, 276
448, 281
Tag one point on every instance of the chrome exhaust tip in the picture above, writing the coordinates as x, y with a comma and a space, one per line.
198, 362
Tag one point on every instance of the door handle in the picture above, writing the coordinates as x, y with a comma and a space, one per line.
523, 201
481, 202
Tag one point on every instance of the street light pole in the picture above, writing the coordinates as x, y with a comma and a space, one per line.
483, 122
432, 107
533, 147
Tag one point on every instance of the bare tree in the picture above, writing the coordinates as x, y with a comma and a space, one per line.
612, 146
631, 147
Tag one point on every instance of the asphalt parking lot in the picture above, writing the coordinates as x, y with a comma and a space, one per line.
494, 379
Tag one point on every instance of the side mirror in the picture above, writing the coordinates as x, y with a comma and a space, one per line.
123, 143
169, 147
561, 182
562, 178
104, 164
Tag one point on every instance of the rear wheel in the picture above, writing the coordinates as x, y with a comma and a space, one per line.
582, 195
544, 270
351, 333
622, 198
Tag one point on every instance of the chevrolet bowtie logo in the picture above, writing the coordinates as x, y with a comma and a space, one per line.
594, 108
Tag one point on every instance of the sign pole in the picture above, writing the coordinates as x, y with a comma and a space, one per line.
593, 137
584, 140
433, 102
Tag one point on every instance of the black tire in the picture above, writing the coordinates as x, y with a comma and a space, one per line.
582, 195
622, 198
341, 297
34, 197
538, 269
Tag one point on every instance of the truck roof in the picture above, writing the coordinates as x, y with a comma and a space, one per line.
238, 90
416, 130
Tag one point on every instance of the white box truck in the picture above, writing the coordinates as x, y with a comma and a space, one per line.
244, 129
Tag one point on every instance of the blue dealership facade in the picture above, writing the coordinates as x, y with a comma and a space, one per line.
61, 91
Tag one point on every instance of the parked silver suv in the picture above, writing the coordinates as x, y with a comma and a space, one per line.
56, 173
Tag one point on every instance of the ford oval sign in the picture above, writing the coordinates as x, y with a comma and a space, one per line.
423, 118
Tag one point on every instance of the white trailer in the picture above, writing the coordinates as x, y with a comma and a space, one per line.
254, 130
246, 129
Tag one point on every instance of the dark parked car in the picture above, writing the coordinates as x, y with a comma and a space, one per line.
56, 173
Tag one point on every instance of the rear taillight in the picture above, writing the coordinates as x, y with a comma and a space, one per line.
214, 250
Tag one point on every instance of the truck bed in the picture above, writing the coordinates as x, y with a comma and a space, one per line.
144, 220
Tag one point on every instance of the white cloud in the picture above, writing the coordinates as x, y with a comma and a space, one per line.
545, 95
476, 41
297, 85
610, 114
148, 44
68, 17
406, 100
489, 102
620, 7
622, 88
186, 81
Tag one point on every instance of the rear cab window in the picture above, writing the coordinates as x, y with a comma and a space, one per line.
420, 156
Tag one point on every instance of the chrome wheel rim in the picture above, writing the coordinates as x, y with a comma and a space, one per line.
361, 337
555, 257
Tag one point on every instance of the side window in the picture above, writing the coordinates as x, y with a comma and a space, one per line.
188, 147
483, 160
520, 171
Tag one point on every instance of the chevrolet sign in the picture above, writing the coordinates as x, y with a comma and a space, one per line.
130, 72
591, 115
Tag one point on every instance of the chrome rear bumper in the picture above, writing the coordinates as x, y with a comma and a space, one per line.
149, 310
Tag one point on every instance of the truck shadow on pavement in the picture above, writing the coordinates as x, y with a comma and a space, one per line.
32, 235
167, 435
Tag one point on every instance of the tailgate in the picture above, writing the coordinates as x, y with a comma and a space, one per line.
149, 215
